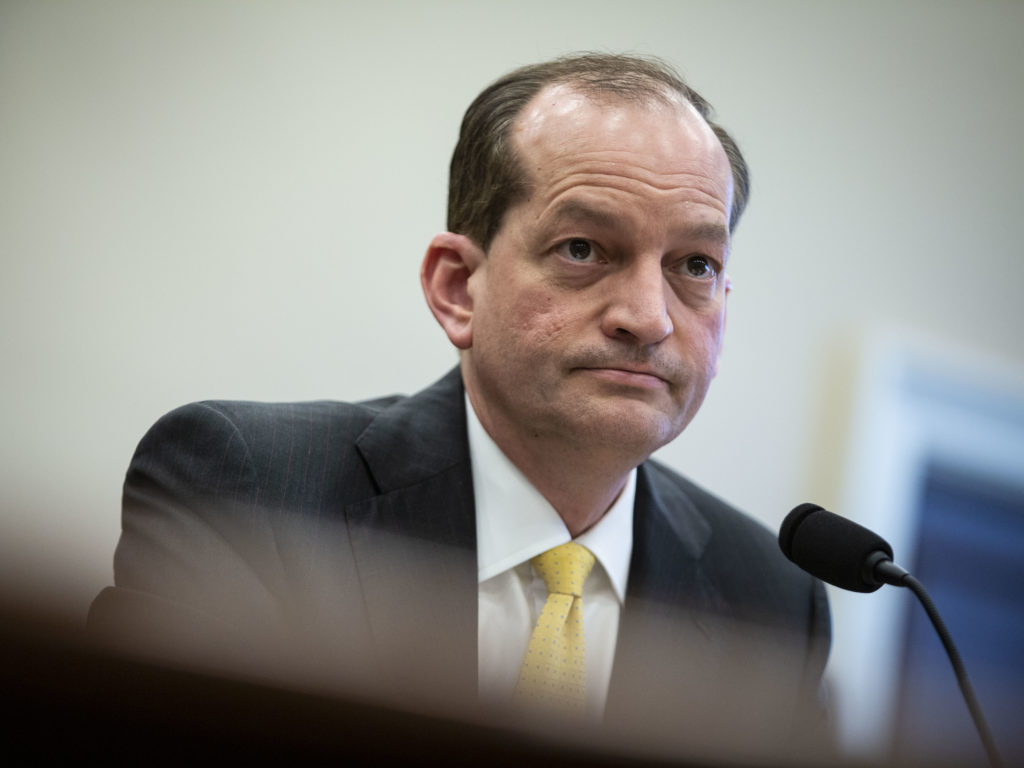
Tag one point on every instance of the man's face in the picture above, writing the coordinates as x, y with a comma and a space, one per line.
597, 315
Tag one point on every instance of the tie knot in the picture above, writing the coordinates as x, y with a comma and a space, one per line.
564, 568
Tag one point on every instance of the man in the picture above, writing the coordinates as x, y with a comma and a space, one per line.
583, 281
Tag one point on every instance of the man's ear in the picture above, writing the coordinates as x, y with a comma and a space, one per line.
444, 275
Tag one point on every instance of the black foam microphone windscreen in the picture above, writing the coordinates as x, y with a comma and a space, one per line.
832, 548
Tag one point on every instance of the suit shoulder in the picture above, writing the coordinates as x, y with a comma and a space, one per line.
249, 418
233, 446
251, 412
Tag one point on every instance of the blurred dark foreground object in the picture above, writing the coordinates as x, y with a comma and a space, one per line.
69, 699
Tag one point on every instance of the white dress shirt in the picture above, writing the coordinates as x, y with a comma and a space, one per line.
514, 522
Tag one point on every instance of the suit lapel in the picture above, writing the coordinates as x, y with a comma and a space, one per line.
667, 620
689, 657
669, 537
414, 544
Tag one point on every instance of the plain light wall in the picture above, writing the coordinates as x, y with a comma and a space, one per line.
231, 200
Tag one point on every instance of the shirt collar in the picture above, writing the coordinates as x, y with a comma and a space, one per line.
514, 521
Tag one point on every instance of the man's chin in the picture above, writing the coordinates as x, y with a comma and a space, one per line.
632, 427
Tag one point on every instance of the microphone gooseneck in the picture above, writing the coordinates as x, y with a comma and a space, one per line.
849, 556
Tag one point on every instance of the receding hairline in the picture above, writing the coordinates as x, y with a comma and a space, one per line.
625, 77
653, 98
668, 99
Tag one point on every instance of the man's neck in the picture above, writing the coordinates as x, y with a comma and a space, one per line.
581, 484
580, 501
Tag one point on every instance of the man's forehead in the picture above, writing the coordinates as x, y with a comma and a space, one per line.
567, 104
565, 128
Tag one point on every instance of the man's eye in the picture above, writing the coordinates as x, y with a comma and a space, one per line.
700, 266
579, 250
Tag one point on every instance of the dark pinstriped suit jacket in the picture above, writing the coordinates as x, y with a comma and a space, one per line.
352, 526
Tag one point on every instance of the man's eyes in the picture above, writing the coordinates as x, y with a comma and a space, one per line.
578, 249
700, 267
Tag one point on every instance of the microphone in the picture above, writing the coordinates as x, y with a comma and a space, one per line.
850, 556
837, 550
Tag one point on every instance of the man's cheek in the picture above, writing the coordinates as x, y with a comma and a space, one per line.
539, 322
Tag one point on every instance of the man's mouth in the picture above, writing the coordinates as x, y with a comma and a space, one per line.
630, 375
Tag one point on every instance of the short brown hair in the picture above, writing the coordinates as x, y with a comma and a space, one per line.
486, 177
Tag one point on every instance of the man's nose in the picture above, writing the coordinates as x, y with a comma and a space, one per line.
638, 305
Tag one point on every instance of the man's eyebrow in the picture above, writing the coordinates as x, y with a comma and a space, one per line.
708, 231
579, 211
575, 210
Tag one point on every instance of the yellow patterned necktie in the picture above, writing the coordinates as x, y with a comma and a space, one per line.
554, 669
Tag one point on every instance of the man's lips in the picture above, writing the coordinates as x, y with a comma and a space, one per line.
628, 375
